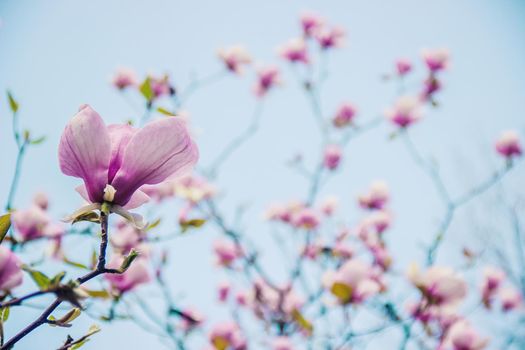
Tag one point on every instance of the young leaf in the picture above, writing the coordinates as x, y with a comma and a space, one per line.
146, 90
41, 280
38, 140
193, 223
5, 224
165, 112
302, 322
342, 292
133, 254
12, 102
4, 314
55, 281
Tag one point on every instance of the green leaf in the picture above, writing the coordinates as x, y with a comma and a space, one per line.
100, 294
42, 281
5, 224
146, 90
165, 112
38, 140
302, 322
75, 264
69, 317
55, 281
153, 225
12, 102
193, 223
4, 314
133, 254
342, 292
90, 217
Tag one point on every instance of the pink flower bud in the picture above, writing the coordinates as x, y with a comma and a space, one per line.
440, 285
223, 291
31, 223
138, 273
511, 298
227, 335
295, 51
234, 58
332, 156
329, 205
403, 66
461, 336
330, 38
310, 24
436, 59
493, 278
376, 197
124, 78
508, 144
41, 200
306, 218
405, 112
267, 78
344, 115
226, 252
11, 274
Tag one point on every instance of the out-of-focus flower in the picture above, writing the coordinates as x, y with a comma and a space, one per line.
342, 250
332, 156
124, 78
227, 335
282, 343
405, 112
194, 189
294, 51
31, 223
234, 58
306, 218
329, 205
436, 59
330, 38
439, 285
226, 252
138, 273
284, 213
376, 197
11, 275
379, 220
41, 200
310, 24
492, 280
123, 158
511, 298
160, 85
223, 291
431, 85
267, 77
403, 66
125, 238
345, 115
191, 319
352, 283
508, 144
461, 336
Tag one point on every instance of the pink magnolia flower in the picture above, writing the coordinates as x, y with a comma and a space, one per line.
160, 85
354, 282
342, 250
197, 319
267, 77
431, 85
282, 343
306, 218
310, 24
159, 192
284, 213
332, 156
508, 144
115, 161
234, 58
41, 200
295, 51
226, 252
376, 197
511, 298
492, 280
436, 59
403, 66
227, 335
123, 78
138, 273
330, 38
11, 275
439, 285
194, 189
379, 220
344, 115
223, 291
461, 336
405, 112
125, 238
31, 223
329, 205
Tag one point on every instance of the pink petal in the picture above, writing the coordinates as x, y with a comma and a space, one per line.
120, 135
137, 199
160, 150
84, 151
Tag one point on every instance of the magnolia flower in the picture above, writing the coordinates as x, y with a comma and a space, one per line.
306, 218
223, 291
123, 78
511, 298
406, 111
193, 319
354, 282
436, 59
295, 51
310, 24
160, 191
226, 252
342, 250
31, 223
234, 58
160, 85
41, 200
194, 189
116, 160
330, 38
125, 238
439, 285
267, 78
227, 335
332, 156
329, 205
461, 336
403, 66
138, 273
492, 280
376, 197
344, 115
282, 343
508, 144
284, 213
10, 272
379, 220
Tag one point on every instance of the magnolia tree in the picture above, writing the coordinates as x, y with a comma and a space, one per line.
342, 289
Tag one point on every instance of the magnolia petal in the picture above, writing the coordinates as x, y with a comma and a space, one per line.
135, 219
120, 135
137, 199
84, 151
160, 150
82, 191
83, 210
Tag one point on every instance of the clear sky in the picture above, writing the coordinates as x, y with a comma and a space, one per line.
59, 54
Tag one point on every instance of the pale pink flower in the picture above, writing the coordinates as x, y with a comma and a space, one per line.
197, 319
123, 158
223, 291
160, 85
436, 59
379, 220
310, 24
194, 189
284, 213
234, 58
295, 50
41, 200
31, 223
123, 78
159, 192
138, 273
342, 250
329, 205
267, 77
242, 298
306, 218
282, 343
403, 66
431, 85
508, 144
377, 196
345, 115
226, 252
492, 279
461, 336
227, 335
330, 38
332, 156
125, 238
511, 298
11, 275
439, 285
405, 112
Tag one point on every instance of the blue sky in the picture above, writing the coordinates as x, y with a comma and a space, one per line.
57, 55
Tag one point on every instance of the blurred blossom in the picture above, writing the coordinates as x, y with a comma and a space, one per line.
436, 59
295, 50
41, 200
194, 188
430, 86
330, 38
310, 24
405, 112
161, 86
31, 223
226, 252
403, 66
492, 280
508, 144
282, 343
11, 275
439, 285
267, 78
138, 273
306, 218
227, 335
461, 336
124, 78
376, 197
332, 156
344, 115
234, 58
511, 298
196, 319
223, 291
329, 205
